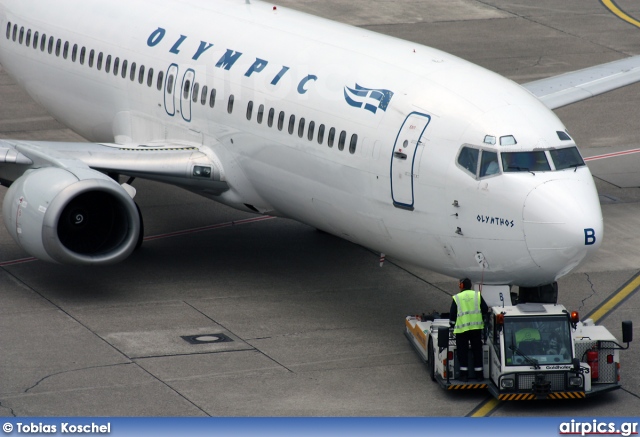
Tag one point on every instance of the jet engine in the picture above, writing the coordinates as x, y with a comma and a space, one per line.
72, 216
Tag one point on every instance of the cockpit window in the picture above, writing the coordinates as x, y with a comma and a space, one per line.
525, 161
566, 158
489, 163
469, 159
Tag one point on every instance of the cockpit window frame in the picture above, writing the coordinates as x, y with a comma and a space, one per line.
480, 173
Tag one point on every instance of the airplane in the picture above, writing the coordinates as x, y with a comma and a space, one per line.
401, 148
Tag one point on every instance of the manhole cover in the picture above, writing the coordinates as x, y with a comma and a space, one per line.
206, 338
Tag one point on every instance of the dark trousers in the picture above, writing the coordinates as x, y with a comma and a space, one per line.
462, 342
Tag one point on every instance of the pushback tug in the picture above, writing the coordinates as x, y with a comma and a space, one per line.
533, 348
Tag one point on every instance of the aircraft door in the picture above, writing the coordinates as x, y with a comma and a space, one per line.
188, 82
404, 163
170, 90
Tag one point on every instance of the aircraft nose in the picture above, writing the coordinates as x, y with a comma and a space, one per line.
562, 224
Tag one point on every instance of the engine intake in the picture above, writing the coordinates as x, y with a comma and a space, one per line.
72, 217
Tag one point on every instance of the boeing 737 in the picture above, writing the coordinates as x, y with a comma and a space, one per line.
398, 147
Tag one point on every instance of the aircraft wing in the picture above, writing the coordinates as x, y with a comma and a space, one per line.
180, 164
564, 89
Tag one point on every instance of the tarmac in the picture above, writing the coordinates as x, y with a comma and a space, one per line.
292, 321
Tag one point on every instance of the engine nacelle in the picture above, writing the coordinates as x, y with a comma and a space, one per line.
77, 216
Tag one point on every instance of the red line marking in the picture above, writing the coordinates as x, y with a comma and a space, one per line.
167, 235
611, 155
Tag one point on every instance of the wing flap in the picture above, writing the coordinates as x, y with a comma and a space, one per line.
564, 89
177, 164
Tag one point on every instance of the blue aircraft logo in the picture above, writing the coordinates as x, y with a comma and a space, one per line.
367, 98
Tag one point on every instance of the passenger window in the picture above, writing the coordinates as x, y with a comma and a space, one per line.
281, 120
312, 127
36, 37
332, 136
205, 94
150, 78
125, 65
489, 164
74, 53
58, 47
43, 42
28, 41
9, 30
343, 138
260, 114
116, 66
107, 65
21, 35
99, 64
170, 84
468, 159
196, 92
83, 54
249, 110
187, 88
353, 144
301, 128
141, 75
160, 80
212, 98
292, 122
15, 32
92, 55
272, 114
132, 74
230, 104
321, 134
65, 52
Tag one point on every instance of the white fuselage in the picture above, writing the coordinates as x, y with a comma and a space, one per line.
394, 182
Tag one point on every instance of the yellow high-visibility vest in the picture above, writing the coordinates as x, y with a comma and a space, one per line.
469, 314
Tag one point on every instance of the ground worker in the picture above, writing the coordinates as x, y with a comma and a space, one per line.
466, 317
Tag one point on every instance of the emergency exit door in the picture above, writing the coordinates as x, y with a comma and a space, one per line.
404, 162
